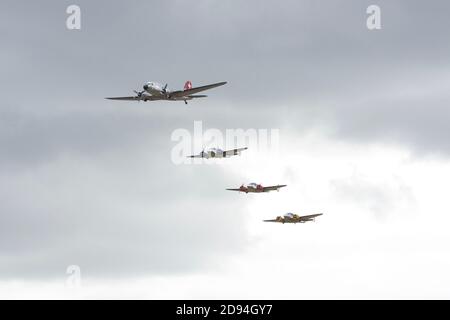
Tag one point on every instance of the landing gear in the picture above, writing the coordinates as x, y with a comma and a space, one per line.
185, 101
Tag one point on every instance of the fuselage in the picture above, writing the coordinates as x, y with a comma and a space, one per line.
252, 187
213, 153
293, 218
156, 89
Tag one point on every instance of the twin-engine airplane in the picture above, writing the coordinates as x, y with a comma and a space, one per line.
218, 153
155, 91
293, 218
257, 188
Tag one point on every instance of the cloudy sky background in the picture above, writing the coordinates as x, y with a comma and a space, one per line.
363, 125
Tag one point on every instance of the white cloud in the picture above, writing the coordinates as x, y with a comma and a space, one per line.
347, 253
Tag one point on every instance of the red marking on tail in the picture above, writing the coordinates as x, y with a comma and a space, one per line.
188, 85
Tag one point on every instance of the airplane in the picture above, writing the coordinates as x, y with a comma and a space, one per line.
293, 218
218, 153
257, 188
155, 91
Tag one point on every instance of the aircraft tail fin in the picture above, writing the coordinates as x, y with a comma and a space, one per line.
188, 85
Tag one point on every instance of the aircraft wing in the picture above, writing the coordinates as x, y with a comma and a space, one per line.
311, 216
272, 220
135, 98
234, 152
193, 96
270, 188
188, 92
234, 189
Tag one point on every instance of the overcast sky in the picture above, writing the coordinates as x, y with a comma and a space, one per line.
363, 137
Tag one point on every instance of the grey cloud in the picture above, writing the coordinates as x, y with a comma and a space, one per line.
113, 215
88, 181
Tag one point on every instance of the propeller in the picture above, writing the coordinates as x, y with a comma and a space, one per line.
164, 89
138, 93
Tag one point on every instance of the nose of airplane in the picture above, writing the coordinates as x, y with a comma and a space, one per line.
145, 86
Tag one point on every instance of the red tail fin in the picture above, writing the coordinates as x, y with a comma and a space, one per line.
188, 85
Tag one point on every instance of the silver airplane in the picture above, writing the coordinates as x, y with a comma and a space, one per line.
257, 188
155, 91
293, 218
218, 153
